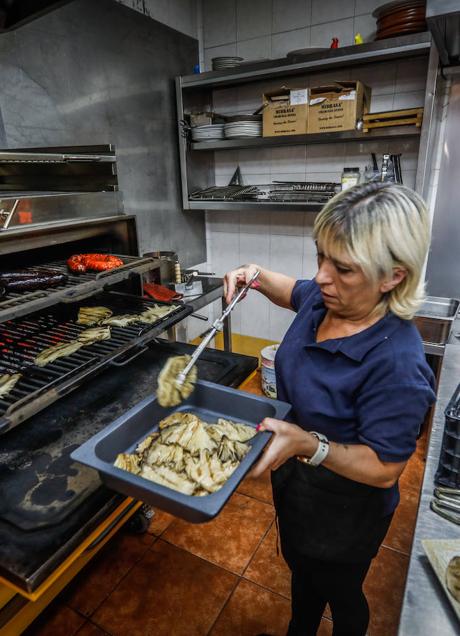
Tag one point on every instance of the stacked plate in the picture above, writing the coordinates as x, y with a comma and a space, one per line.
243, 126
224, 62
208, 132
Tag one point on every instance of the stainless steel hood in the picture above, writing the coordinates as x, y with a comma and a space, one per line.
14, 13
443, 19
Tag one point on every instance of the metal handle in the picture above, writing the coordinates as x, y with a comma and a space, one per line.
126, 361
200, 317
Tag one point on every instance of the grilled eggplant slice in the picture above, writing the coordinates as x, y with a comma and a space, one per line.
231, 451
90, 336
166, 477
123, 320
155, 313
128, 462
453, 577
169, 393
60, 350
93, 315
232, 430
8, 382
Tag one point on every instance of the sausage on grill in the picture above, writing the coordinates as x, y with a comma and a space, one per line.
80, 263
23, 280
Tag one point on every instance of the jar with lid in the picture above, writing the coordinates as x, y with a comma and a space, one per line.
350, 177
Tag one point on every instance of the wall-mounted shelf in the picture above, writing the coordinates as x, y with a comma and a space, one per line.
383, 134
255, 206
380, 51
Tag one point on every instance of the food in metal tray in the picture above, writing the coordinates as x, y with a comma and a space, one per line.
186, 457
80, 263
453, 577
8, 382
93, 315
169, 392
60, 350
89, 336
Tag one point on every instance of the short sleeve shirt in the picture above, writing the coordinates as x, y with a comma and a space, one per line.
371, 388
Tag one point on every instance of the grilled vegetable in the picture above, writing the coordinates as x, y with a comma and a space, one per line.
60, 350
7, 382
92, 315
80, 263
453, 577
28, 280
123, 320
153, 314
89, 336
184, 456
233, 430
169, 393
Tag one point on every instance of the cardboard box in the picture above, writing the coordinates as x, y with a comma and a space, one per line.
285, 112
337, 106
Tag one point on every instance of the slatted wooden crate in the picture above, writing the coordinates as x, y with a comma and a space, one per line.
404, 117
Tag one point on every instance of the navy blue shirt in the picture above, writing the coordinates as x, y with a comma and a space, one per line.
371, 388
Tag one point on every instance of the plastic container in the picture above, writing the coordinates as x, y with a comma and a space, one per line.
350, 177
209, 401
267, 357
448, 472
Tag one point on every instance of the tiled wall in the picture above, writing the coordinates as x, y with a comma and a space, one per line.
281, 240
258, 29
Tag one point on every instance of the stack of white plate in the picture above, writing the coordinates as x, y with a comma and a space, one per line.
243, 129
224, 62
208, 132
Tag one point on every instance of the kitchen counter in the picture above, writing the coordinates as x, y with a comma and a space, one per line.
426, 609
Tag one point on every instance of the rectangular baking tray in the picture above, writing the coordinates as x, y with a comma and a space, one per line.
209, 401
435, 318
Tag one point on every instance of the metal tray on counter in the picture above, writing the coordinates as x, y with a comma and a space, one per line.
435, 318
209, 401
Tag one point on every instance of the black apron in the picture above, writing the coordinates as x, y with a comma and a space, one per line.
325, 516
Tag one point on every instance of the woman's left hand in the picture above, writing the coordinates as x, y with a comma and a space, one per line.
288, 440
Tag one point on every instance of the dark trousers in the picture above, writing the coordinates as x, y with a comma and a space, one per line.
316, 583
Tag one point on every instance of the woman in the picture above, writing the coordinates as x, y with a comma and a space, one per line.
352, 367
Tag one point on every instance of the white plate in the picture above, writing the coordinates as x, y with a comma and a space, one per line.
439, 553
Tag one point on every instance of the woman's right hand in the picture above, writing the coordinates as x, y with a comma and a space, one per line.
238, 278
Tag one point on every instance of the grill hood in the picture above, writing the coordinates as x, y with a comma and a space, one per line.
443, 19
14, 13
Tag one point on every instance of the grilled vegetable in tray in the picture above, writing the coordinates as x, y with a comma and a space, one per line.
188, 454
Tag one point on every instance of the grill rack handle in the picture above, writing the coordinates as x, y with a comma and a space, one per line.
125, 361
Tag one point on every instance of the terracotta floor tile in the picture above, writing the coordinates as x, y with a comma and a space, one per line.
90, 629
100, 577
253, 610
231, 539
160, 522
401, 531
57, 620
259, 488
384, 589
269, 569
169, 592
412, 476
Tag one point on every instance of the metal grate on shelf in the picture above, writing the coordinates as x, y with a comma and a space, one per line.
78, 286
22, 339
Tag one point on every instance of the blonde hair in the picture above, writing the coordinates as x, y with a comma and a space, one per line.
380, 226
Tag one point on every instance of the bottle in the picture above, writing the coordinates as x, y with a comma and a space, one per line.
350, 177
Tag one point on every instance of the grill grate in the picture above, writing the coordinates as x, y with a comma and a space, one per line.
22, 339
78, 286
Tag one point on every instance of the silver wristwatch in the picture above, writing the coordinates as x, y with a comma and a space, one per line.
321, 452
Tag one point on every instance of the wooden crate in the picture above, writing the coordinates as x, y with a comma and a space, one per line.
404, 117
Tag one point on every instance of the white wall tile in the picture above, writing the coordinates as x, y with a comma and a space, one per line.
380, 77
410, 76
380, 103
288, 159
255, 248
218, 51
224, 221
255, 160
291, 15
254, 222
256, 179
283, 43
325, 158
225, 248
225, 161
309, 263
254, 18
366, 6
414, 99
255, 48
225, 100
323, 10
219, 22
322, 34
286, 254
280, 321
255, 310
365, 25
249, 98
288, 222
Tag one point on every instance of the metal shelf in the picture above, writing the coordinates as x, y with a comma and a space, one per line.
398, 132
255, 206
382, 50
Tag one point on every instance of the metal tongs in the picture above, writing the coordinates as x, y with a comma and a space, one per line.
217, 325
446, 503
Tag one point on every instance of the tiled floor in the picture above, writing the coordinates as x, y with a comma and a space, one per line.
223, 578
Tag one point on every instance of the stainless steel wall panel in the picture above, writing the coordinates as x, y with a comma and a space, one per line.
443, 269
